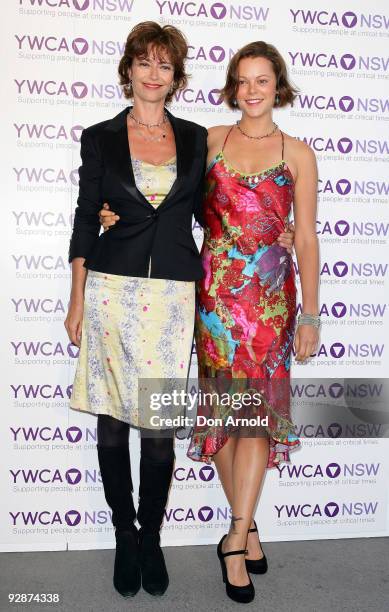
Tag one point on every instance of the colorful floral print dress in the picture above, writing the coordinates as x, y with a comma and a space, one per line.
246, 303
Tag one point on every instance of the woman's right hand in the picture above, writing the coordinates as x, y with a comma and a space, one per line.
73, 322
107, 217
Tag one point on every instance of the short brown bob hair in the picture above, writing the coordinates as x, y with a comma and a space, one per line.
286, 92
163, 39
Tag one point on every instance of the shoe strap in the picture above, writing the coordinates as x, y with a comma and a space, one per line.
254, 529
235, 552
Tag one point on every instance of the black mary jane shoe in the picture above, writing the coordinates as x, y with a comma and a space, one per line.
155, 578
256, 566
126, 575
240, 594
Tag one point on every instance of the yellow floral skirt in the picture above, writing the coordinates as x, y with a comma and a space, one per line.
133, 328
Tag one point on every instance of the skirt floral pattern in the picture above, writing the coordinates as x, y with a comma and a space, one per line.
133, 328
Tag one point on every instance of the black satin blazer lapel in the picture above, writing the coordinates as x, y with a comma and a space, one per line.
119, 157
118, 153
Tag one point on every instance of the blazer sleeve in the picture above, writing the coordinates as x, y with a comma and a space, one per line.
86, 226
199, 195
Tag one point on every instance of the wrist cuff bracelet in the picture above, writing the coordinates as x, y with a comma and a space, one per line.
308, 319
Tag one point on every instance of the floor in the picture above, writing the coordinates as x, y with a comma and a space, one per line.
311, 576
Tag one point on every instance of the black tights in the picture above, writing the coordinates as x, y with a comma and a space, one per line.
112, 432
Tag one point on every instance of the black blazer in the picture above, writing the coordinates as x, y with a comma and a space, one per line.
143, 233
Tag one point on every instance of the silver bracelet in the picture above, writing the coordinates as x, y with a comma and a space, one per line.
308, 319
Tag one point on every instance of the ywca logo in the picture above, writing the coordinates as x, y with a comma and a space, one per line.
347, 20
205, 473
331, 470
347, 61
215, 54
344, 103
72, 434
72, 476
354, 269
45, 391
337, 350
48, 131
199, 96
331, 509
42, 176
79, 45
341, 228
218, 10
203, 514
344, 187
346, 145
47, 349
77, 90
111, 6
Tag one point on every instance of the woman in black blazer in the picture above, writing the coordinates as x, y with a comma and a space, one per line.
132, 299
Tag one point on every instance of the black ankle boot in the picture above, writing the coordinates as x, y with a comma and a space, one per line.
153, 493
126, 575
115, 472
155, 578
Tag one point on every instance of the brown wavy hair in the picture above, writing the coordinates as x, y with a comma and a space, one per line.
286, 91
163, 39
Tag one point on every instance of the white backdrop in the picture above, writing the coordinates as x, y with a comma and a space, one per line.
60, 76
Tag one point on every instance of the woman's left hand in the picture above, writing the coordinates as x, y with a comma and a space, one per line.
305, 341
286, 239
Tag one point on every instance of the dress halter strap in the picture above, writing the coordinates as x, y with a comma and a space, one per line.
226, 138
282, 138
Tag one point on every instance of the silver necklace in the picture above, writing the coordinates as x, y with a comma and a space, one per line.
256, 137
149, 126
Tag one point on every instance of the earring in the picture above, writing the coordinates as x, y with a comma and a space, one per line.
277, 100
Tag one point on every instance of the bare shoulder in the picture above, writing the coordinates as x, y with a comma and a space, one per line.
216, 134
299, 150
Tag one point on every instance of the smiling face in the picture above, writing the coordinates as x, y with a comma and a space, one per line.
152, 76
257, 86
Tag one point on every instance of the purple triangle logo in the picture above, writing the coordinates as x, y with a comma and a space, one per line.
73, 434
345, 145
346, 103
73, 476
342, 227
80, 46
336, 390
334, 430
331, 509
337, 350
214, 97
72, 518
81, 5
73, 350
333, 470
348, 61
340, 268
343, 186
206, 473
76, 132
79, 90
349, 19
205, 514
218, 10
217, 54
339, 310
